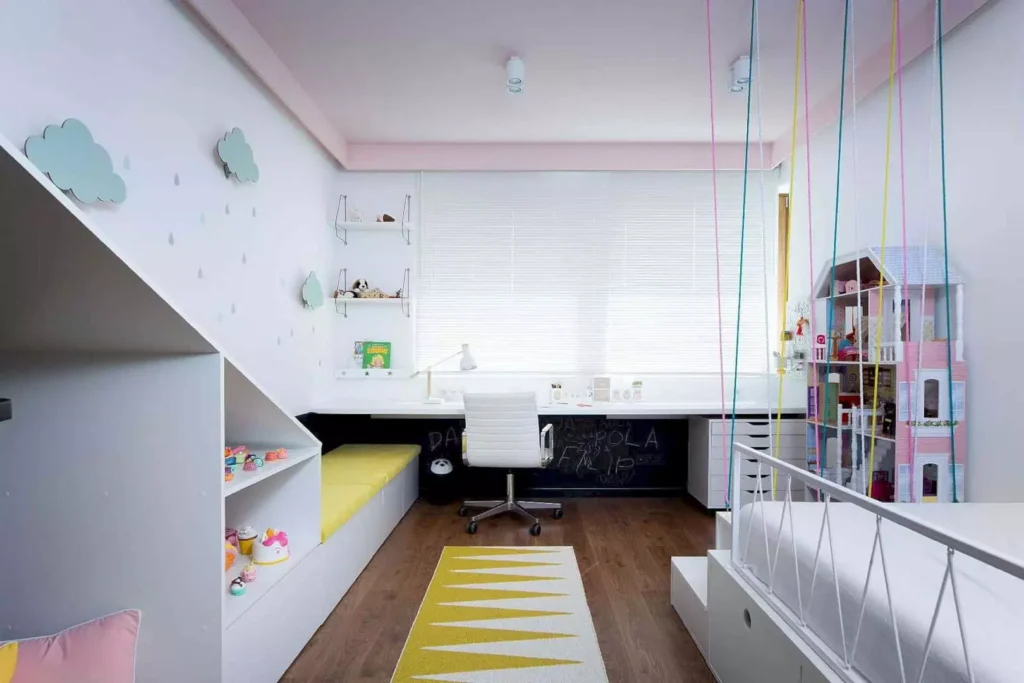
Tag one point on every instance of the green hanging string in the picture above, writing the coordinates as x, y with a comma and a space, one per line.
743, 231
945, 257
835, 233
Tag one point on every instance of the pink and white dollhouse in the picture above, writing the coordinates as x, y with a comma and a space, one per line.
889, 334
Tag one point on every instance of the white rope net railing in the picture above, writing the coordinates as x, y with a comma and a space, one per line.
828, 569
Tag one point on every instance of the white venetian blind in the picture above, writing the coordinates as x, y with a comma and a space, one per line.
588, 272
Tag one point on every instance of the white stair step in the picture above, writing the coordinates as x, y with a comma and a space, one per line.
689, 591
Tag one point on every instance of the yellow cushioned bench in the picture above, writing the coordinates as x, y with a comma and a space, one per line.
351, 475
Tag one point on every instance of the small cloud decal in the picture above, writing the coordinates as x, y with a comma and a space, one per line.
312, 292
75, 163
236, 155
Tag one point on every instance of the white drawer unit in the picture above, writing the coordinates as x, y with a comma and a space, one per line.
708, 476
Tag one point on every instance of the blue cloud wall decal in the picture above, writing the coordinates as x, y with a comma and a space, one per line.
312, 292
75, 163
236, 155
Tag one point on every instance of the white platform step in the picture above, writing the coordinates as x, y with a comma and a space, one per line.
689, 591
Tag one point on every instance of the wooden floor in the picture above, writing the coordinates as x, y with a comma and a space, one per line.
623, 546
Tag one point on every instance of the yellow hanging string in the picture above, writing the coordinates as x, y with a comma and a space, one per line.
785, 277
885, 224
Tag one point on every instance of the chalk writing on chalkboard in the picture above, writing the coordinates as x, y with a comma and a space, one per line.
607, 451
445, 441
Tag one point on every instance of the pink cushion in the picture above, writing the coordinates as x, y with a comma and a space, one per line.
98, 651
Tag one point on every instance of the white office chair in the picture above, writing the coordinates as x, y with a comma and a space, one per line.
501, 431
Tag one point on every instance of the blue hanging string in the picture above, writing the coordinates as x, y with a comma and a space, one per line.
835, 235
945, 258
743, 231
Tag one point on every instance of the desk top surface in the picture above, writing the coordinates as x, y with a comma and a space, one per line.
638, 409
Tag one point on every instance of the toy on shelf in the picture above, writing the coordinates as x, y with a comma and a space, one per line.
237, 587
230, 555
231, 537
249, 573
246, 539
252, 463
228, 474
386, 218
277, 454
362, 290
272, 547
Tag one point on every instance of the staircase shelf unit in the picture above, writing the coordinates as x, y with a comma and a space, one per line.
889, 336
112, 491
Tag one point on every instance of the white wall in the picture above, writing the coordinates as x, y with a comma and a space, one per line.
158, 91
984, 140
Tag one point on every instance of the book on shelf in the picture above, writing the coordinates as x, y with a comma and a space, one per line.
376, 355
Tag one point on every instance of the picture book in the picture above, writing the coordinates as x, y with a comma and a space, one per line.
377, 355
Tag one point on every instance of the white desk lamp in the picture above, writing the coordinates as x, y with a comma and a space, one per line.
466, 363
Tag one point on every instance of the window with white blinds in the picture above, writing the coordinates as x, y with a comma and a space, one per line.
589, 272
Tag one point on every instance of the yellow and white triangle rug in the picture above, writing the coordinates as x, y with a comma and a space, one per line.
503, 615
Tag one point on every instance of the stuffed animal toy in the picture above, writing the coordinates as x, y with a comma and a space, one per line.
362, 290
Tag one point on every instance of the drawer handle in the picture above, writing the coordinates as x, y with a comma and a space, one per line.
760, 448
757, 423
755, 476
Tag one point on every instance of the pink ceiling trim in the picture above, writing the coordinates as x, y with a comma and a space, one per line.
918, 35
547, 156
230, 24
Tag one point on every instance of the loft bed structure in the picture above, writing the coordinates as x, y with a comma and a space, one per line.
112, 483
879, 385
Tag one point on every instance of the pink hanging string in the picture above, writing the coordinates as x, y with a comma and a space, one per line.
819, 418
903, 203
718, 264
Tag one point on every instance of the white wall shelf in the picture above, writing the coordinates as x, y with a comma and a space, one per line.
373, 374
341, 303
243, 480
342, 225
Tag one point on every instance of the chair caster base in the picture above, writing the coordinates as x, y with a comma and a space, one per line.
535, 530
471, 528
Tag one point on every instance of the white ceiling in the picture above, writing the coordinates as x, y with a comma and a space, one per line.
433, 70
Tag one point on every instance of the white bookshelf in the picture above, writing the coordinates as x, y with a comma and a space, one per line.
124, 407
243, 480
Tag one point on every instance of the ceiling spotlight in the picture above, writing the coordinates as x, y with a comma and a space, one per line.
515, 73
740, 74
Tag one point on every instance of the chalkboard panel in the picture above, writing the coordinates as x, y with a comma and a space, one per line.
593, 455
612, 453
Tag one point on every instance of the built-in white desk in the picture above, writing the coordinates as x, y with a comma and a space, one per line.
414, 409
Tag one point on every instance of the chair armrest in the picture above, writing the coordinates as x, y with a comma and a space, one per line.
547, 444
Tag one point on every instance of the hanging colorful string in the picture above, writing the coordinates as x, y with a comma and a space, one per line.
785, 274
945, 257
743, 233
835, 223
718, 262
810, 232
904, 303
885, 224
